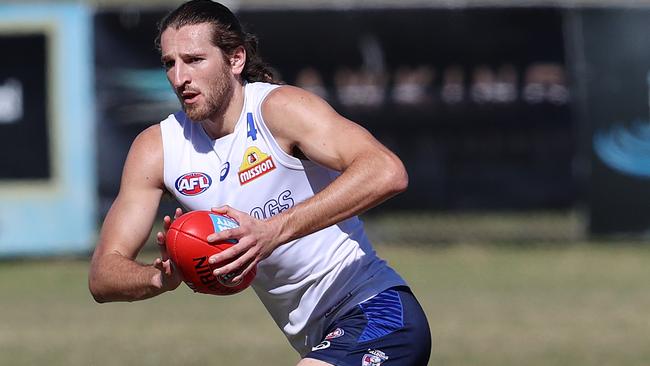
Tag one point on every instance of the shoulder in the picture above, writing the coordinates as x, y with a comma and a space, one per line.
146, 154
291, 114
288, 108
150, 139
287, 98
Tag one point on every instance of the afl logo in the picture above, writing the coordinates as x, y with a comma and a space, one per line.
191, 184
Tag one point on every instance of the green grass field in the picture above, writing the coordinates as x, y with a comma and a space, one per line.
487, 305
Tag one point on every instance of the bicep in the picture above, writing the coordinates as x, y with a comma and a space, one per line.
128, 223
305, 121
130, 219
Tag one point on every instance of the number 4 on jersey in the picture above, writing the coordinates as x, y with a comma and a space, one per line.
252, 131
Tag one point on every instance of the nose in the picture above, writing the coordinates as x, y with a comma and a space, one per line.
179, 75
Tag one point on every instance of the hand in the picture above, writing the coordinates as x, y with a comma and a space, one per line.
168, 278
255, 242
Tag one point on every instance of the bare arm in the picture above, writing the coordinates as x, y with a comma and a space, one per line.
370, 174
114, 273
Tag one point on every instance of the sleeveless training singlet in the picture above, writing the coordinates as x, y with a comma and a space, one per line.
303, 283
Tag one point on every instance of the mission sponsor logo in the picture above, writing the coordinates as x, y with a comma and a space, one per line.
254, 165
191, 184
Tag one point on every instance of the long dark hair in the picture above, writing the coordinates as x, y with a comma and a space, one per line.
227, 34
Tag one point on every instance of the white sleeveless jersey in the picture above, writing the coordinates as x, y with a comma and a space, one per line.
305, 282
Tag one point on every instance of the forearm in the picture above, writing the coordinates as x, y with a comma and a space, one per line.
362, 186
114, 277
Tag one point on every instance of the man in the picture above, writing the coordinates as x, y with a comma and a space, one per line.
292, 172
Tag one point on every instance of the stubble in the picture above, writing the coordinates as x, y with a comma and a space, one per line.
217, 98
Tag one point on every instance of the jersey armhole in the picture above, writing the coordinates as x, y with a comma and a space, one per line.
285, 159
173, 121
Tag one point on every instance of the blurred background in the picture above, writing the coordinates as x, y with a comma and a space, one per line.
524, 126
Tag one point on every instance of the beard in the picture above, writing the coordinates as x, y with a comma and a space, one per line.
217, 97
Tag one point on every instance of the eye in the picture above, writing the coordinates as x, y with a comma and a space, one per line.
168, 64
196, 59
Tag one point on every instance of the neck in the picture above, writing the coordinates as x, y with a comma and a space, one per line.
223, 122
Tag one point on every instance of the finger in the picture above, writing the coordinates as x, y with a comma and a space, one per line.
168, 267
230, 234
227, 255
178, 213
167, 221
162, 247
247, 270
222, 210
235, 266
228, 211
164, 265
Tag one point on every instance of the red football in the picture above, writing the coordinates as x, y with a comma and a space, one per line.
188, 249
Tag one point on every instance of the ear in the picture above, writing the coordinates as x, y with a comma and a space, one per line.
238, 60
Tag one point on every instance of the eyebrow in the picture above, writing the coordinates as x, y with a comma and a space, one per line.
164, 58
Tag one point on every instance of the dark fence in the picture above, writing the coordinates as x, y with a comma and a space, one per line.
490, 108
476, 101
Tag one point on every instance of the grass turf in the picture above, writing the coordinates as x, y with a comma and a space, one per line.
487, 305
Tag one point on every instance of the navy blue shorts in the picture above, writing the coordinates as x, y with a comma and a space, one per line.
390, 329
